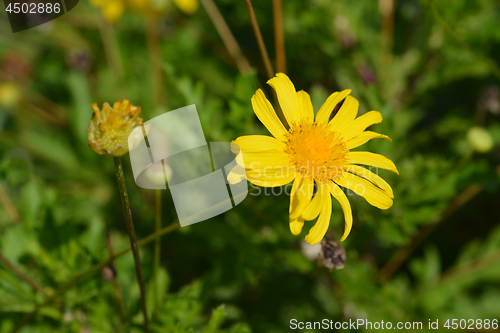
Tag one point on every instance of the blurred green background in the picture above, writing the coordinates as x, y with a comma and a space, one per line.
431, 69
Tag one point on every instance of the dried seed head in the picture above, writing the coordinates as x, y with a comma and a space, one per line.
332, 255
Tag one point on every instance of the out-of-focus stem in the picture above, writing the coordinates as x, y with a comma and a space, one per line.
404, 253
154, 50
265, 57
386, 8
131, 232
20, 274
226, 35
116, 285
260, 40
9, 206
157, 253
111, 48
470, 267
91, 271
279, 36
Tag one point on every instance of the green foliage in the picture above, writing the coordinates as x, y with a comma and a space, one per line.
243, 271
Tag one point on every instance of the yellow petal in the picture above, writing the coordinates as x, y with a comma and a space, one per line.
346, 114
374, 195
256, 143
295, 186
331, 102
320, 228
338, 194
261, 159
236, 175
287, 96
314, 207
363, 138
301, 197
305, 106
269, 179
296, 226
373, 177
267, 116
360, 124
376, 160
187, 6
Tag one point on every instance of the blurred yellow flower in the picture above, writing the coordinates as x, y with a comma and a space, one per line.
10, 94
187, 6
112, 10
315, 153
110, 128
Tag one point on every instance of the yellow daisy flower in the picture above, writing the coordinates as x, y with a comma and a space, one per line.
314, 153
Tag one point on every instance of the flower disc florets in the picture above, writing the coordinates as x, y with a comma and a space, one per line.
316, 151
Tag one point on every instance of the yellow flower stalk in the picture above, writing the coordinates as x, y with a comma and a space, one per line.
316, 154
110, 127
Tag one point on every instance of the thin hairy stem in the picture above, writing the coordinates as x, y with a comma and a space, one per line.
470, 267
260, 40
226, 35
20, 274
111, 49
154, 51
9, 206
279, 36
131, 232
88, 273
157, 253
116, 285
386, 8
404, 253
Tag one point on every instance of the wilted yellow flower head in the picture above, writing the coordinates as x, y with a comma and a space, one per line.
110, 128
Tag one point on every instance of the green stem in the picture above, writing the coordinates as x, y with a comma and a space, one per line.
111, 49
387, 37
20, 274
157, 253
154, 51
131, 232
9, 206
91, 271
470, 267
116, 286
404, 252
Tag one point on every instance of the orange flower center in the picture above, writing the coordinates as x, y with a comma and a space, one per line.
316, 151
